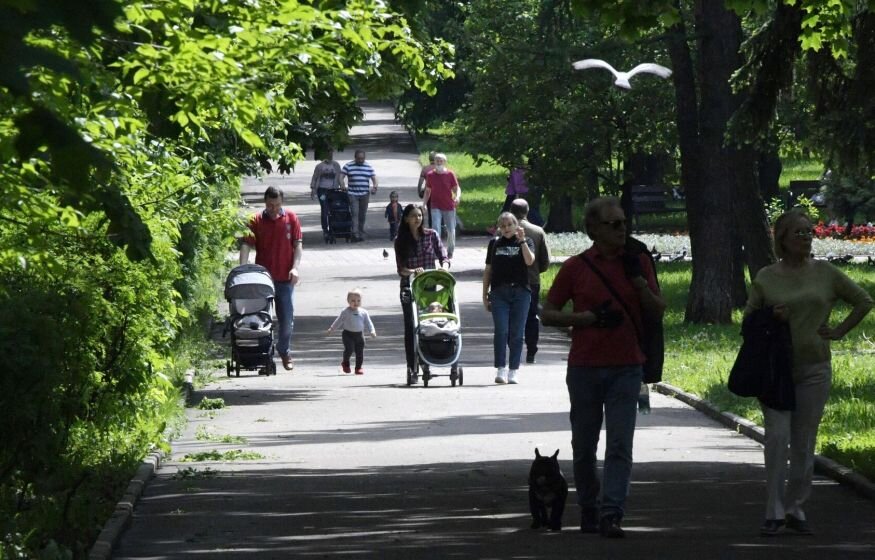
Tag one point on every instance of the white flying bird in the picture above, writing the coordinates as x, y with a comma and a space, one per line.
623, 77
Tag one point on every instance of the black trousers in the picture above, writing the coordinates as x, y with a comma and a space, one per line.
407, 310
353, 342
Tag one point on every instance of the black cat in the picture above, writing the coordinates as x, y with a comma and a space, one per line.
547, 489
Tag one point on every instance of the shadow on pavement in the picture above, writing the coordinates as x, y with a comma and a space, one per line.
472, 510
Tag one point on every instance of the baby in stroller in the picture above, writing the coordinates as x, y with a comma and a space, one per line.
441, 323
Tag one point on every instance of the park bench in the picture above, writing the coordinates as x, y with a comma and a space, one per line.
652, 199
808, 189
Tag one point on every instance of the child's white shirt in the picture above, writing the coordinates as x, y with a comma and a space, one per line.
354, 320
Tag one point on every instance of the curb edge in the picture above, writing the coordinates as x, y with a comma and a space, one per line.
124, 509
120, 519
824, 465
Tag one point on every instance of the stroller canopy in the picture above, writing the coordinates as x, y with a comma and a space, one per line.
434, 285
249, 281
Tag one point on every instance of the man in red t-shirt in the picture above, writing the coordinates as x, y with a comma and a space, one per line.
277, 239
604, 364
442, 196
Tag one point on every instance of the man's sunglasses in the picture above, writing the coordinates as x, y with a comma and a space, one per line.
615, 224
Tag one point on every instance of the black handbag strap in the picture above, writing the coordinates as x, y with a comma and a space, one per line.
614, 293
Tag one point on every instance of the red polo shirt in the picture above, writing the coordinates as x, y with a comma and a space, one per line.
274, 241
590, 346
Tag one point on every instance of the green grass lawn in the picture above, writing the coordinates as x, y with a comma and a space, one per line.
698, 359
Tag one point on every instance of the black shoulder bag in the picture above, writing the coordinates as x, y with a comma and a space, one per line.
651, 341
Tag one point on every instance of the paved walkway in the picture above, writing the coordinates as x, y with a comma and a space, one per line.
365, 467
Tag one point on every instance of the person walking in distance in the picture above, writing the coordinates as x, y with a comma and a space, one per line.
358, 176
275, 233
354, 322
416, 249
520, 209
801, 291
605, 361
393, 215
420, 186
326, 178
442, 191
506, 294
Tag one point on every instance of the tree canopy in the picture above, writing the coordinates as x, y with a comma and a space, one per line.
124, 129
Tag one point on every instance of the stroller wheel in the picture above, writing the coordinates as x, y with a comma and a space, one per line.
461, 376
228, 367
271, 369
453, 376
237, 369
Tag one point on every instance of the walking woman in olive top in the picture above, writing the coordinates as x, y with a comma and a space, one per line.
801, 291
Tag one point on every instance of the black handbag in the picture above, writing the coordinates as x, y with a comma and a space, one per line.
651, 337
763, 367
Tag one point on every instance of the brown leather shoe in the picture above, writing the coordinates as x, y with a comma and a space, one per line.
287, 362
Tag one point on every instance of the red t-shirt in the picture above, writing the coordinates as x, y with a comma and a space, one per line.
274, 241
441, 185
576, 281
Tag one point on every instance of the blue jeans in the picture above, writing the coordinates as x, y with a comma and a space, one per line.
448, 217
510, 305
533, 323
285, 315
610, 393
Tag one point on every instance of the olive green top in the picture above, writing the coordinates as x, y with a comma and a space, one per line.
809, 293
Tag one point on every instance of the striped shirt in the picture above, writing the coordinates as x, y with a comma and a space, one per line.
358, 177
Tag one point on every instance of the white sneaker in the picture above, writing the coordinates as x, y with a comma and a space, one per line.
511, 377
501, 375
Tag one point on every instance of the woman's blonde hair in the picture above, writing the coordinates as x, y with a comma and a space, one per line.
506, 216
782, 228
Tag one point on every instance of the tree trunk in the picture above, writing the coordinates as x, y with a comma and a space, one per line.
560, 219
749, 209
769, 169
709, 202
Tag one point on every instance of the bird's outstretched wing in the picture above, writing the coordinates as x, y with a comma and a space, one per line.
587, 63
650, 68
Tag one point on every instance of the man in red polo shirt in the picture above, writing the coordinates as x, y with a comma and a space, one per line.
276, 237
604, 363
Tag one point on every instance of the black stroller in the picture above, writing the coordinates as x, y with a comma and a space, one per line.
339, 216
250, 292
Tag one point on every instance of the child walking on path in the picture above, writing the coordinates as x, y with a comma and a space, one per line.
393, 215
355, 323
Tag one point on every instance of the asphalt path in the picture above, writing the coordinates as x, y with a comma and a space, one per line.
366, 467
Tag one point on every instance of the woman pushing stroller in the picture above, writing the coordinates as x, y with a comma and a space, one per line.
416, 249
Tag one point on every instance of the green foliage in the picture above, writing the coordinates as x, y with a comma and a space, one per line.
527, 104
224, 456
211, 404
203, 434
124, 127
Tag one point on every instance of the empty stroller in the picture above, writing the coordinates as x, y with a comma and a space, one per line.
339, 216
249, 291
437, 326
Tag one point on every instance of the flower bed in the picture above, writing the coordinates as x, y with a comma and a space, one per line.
836, 231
